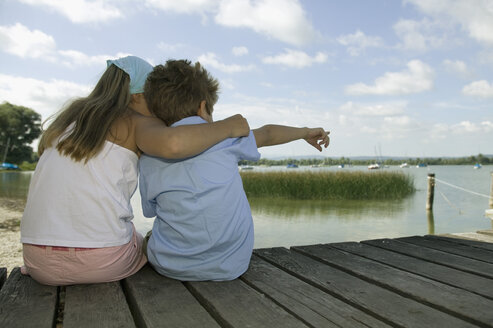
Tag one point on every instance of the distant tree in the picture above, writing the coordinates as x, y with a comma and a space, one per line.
19, 127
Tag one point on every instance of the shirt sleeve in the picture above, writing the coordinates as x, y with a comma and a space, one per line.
148, 205
245, 148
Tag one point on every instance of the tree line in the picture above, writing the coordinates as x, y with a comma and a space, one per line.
19, 127
329, 161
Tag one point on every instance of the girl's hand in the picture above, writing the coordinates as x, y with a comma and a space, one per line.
239, 126
318, 137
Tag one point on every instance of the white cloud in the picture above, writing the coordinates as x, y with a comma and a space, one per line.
73, 58
20, 41
239, 51
439, 131
486, 57
264, 111
420, 35
465, 127
168, 47
80, 11
45, 97
474, 16
284, 20
456, 66
400, 121
480, 88
211, 59
442, 130
388, 109
487, 126
228, 84
383, 120
184, 6
295, 58
357, 43
417, 78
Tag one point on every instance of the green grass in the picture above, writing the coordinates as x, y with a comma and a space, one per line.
328, 185
26, 166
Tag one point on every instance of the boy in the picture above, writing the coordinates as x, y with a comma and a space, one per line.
203, 228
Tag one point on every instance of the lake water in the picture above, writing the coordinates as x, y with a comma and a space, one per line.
292, 222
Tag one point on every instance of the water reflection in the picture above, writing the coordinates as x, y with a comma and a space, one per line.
14, 184
287, 222
293, 209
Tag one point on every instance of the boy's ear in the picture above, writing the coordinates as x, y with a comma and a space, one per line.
201, 111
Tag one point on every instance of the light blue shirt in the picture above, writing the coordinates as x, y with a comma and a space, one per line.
203, 228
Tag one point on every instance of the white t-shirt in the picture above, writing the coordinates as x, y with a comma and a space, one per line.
74, 204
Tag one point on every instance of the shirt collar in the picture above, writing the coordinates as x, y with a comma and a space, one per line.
189, 121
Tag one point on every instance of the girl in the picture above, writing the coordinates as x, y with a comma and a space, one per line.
77, 224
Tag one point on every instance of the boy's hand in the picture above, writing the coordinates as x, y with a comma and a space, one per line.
318, 137
239, 126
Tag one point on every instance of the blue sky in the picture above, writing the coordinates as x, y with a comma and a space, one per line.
402, 78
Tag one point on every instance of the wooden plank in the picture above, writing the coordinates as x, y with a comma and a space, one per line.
471, 236
457, 302
468, 242
310, 304
468, 281
157, 301
486, 232
435, 256
3, 276
26, 303
235, 304
96, 305
386, 305
453, 248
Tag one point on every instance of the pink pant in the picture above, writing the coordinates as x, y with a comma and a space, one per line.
67, 266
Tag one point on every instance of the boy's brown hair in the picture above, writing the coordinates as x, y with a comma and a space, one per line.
175, 90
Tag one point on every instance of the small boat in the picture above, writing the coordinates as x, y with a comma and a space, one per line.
477, 166
421, 165
375, 166
246, 167
404, 165
8, 166
292, 166
341, 166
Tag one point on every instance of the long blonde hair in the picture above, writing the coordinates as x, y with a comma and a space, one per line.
92, 116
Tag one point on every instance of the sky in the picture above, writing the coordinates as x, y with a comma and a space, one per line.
409, 78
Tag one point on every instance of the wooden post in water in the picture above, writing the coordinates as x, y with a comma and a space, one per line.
431, 222
431, 191
491, 191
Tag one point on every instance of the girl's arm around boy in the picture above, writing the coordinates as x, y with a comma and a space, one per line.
153, 138
271, 134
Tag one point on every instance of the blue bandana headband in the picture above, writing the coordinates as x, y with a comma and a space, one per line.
136, 68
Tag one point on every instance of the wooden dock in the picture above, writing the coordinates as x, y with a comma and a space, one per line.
428, 281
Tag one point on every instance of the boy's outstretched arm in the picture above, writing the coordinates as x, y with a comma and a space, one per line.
270, 135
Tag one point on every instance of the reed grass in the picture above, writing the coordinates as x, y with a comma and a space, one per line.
328, 185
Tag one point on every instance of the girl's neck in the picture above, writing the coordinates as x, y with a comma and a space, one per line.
139, 104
